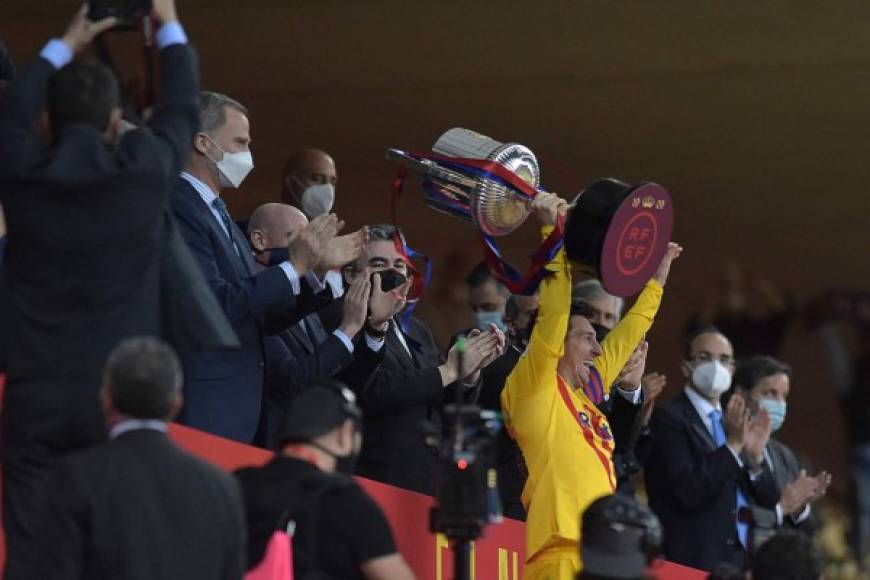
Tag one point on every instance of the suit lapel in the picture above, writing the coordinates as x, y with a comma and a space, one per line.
315, 327
696, 424
300, 335
218, 231
395, 348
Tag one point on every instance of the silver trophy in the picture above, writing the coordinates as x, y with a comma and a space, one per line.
615, 231
458, 190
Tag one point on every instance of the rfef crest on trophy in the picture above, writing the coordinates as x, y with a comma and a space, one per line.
615, 231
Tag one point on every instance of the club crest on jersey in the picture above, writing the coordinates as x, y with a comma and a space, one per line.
604, 432
584, 420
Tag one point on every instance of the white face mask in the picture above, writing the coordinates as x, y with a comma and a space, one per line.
233, 168
711, 379
318, 199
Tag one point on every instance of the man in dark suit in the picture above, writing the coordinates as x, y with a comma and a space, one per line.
409, 386
308, 352
7, 71
81, 268
139, 507
224, 389
704, 467
766, 383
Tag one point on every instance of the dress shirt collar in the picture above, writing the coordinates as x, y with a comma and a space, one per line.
137, 424
204, 191
702, 406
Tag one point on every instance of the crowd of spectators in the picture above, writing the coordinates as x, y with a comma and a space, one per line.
281, 331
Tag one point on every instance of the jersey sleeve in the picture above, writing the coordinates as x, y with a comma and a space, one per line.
620, 342
538, 364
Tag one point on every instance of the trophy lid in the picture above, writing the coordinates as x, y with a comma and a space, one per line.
459, 142
620, 232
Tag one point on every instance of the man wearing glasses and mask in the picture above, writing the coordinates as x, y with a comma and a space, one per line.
707, 463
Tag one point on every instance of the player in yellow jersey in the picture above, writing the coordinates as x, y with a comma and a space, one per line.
565, 439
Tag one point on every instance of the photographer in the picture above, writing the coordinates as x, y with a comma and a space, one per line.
85, 218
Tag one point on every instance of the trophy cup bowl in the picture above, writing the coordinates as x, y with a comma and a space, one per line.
492, 207
615, 231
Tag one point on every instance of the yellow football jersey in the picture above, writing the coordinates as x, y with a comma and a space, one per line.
566, 441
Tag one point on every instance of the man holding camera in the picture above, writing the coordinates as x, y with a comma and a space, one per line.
85, 274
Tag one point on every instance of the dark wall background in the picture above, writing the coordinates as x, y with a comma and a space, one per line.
753, 114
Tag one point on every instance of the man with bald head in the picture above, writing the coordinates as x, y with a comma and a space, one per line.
309, 182
269, 231
305, 352
707, 463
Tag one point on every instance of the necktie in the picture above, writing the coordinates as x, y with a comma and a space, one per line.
314, 329
221, 208
720, 439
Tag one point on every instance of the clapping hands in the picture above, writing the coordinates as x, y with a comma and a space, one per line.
481, 349
318, 247
803, 490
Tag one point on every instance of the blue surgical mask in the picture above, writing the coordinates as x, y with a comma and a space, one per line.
482, 320
776, 410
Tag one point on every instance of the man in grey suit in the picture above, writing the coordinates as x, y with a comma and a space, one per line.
766, 383
139, 507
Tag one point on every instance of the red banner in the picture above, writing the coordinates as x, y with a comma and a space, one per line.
498, 555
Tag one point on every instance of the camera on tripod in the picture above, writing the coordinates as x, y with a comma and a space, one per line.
128, 12
468, 487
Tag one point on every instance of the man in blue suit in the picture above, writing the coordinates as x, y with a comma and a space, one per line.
224, 390
306, 352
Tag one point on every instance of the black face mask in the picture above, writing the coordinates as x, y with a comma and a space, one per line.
276, 255
346, 464
390, 279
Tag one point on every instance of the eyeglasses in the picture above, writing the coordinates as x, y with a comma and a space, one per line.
705, 356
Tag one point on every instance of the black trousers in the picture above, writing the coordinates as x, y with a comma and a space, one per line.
41, 421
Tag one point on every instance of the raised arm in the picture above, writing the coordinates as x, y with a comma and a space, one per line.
23, 100
629, 332
176, 113
547, 342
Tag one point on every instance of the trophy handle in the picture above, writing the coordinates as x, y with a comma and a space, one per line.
429, 168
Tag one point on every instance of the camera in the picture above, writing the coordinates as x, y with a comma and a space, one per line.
128, 12
468, 487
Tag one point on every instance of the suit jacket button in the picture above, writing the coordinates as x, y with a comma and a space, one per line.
730, 541
261, 365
